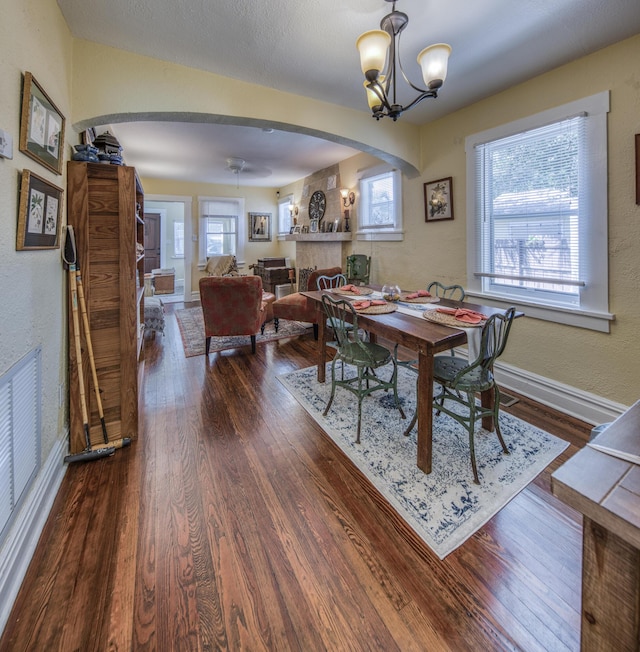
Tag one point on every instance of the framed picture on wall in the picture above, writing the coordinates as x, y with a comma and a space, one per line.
39, 213
260, 227
41, 126
438, 200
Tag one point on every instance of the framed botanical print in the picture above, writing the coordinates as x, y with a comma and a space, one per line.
438, 200
41, 126
39, 213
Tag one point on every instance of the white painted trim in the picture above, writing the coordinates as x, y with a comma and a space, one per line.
565, 398
22, 538
187, 202
593, 312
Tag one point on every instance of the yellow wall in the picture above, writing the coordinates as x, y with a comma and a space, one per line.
112, 86
605, 364
34, 38
256, 200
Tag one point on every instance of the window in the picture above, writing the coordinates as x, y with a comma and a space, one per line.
221, 229
178, 239
380, 214
284, 215
537, 229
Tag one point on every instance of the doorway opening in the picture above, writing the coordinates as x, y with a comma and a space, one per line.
167, 254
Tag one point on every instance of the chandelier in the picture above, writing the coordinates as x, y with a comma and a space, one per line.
380, 46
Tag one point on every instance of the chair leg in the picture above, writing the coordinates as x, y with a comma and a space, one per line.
360, 374
264, 323
496, 418
413, 423
207, 345
333, 387
276, 323
253, 344
395, 390
315, 332
471, 428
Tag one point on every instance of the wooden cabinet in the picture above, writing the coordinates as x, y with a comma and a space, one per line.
105, 207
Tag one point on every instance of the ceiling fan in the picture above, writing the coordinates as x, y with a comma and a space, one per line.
238, 165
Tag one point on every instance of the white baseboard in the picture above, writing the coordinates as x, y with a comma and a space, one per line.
24, 533
568, 400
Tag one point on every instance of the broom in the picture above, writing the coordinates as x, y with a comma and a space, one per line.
69, 258
118, 443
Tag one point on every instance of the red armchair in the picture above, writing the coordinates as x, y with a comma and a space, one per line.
296, 306
232, 305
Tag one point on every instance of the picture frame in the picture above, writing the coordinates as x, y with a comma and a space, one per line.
39, 213
438, 200
41, 126
297, 229
259, 227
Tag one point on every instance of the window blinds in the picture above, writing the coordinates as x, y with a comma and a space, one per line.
530, 214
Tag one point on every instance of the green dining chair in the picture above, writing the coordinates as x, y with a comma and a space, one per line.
455, 292
460, 381
351, 349
358, 268
437, 289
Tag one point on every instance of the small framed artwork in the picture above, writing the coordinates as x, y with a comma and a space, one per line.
41, 126
259, 227
297, 229
438, 200
39, 213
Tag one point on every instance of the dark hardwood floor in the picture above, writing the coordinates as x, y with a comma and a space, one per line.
233, 523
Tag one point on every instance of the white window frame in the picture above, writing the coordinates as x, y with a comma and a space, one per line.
176, 239
593, 311
233, 206
285, 218
365, 231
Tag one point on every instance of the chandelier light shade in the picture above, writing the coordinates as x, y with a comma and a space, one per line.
380, 64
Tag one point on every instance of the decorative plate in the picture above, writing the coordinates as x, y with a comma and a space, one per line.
377, 310
448, 320
404, 298
362, 292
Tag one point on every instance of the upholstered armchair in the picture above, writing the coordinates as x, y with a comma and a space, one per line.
296, 306
232, 305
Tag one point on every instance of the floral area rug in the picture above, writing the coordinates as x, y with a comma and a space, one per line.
191, 323
444, 507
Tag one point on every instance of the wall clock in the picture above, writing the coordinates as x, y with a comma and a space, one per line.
317, 205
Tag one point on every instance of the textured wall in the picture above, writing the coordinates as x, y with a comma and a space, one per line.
34, 38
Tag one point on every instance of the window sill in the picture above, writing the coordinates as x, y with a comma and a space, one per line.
592, 320
380, 236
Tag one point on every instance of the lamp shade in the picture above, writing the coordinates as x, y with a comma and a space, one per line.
433, 61
373, 47
372, 99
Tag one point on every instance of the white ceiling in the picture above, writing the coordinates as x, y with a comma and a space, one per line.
308, 48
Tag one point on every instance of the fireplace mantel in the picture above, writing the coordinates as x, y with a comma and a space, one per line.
340, 236
321, 250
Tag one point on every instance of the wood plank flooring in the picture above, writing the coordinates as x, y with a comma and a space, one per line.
234, 523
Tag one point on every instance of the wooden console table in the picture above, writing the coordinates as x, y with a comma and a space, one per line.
605, 489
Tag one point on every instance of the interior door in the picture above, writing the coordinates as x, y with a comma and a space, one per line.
151, 242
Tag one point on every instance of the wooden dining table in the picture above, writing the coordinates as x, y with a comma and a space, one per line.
425, 337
